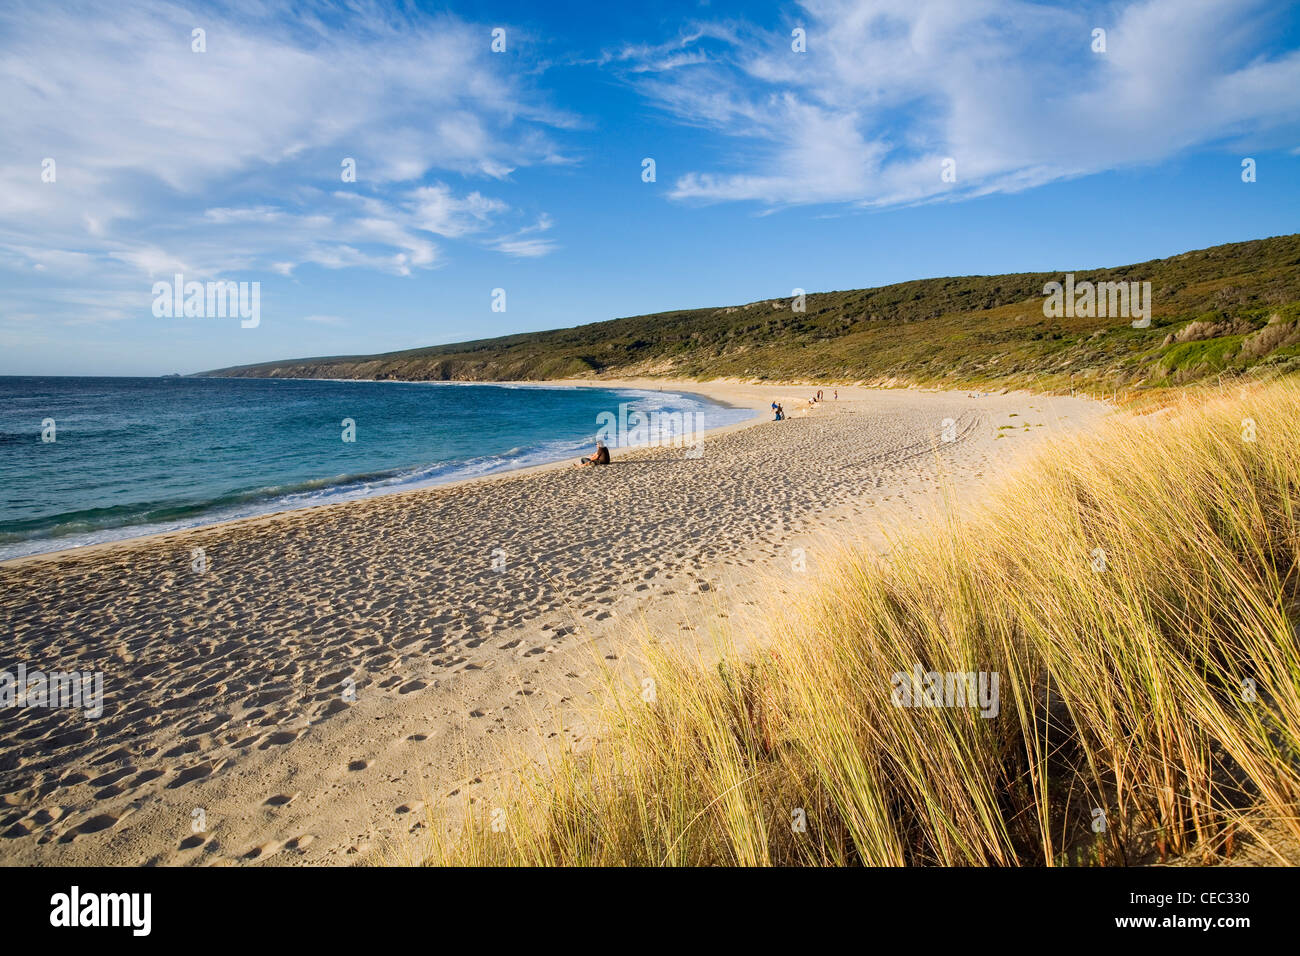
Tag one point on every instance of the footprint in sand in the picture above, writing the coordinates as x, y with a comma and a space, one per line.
190, 774
120, 754
279, 739
335, 706
181, 750
96, 824
144, 777
266, 849
112, 777
208, 726
43, 817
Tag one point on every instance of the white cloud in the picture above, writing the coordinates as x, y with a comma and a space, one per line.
524, 244
1012, 91
227, 160
129, 94
435, 209
525, 248
150, 260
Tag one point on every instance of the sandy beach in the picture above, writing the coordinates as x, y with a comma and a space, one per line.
331, 671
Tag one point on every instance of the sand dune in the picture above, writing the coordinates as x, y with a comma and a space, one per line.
331, 670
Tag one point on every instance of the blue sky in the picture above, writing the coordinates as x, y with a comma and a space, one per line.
522, 169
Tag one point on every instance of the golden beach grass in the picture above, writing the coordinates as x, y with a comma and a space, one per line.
1149, 691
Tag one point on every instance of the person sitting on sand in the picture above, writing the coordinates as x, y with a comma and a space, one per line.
600, 458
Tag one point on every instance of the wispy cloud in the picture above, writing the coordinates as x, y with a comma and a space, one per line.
526, 243
1012, 92
166, 159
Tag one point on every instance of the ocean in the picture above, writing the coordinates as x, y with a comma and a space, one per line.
85, 460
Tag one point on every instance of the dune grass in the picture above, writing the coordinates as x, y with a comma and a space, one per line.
1134, 592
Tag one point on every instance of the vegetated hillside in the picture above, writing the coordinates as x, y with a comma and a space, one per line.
1227, 309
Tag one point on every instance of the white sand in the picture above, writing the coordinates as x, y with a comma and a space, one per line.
225, 690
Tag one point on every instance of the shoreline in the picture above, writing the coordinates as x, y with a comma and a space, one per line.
74, 551
475, 622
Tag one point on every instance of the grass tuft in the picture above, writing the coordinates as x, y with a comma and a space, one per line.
1134, 592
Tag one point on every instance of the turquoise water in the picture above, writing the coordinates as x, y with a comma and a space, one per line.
137, 456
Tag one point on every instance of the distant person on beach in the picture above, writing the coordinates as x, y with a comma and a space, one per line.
600, 458
780, 412
837, 395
